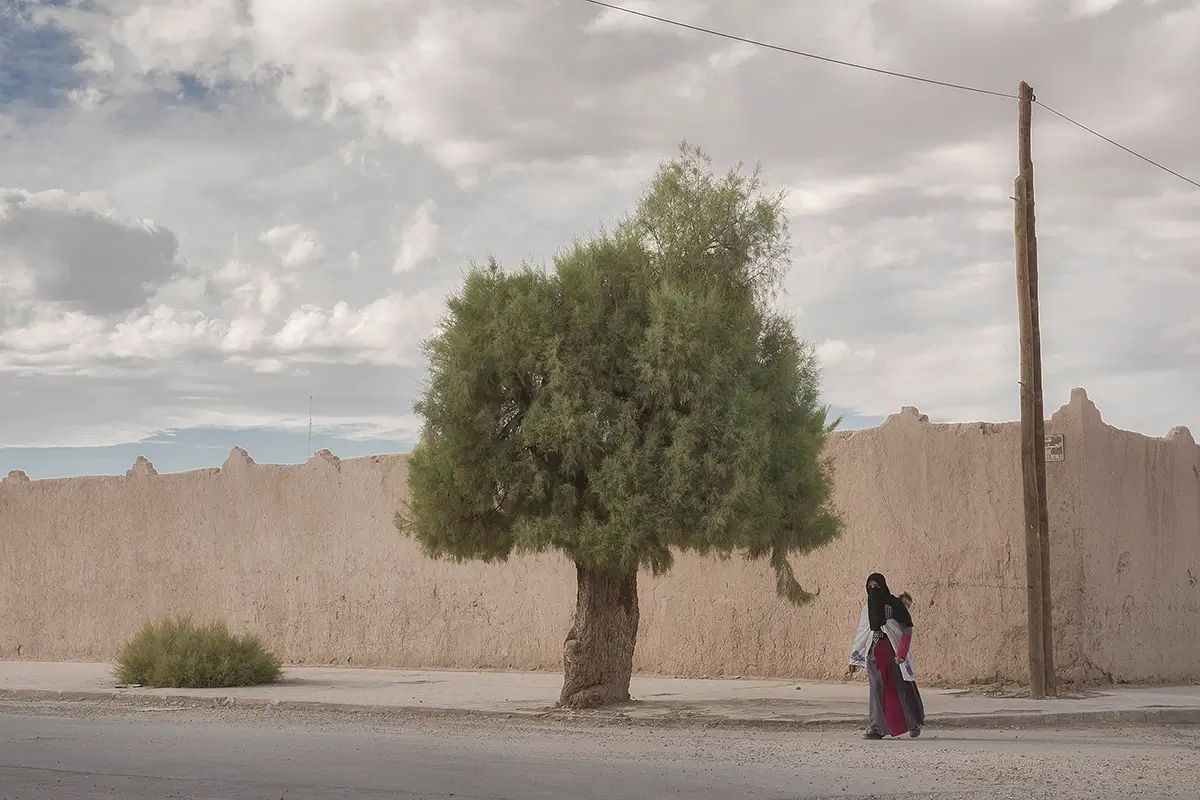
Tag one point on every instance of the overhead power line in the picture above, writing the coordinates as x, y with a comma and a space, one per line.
891, 73
1117, 145
801, 53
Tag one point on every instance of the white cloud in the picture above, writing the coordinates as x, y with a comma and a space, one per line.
243, 335
821, 197
16, 200
160, 334
832, 351
386, 331
51, 330
252, 289
612, 21
291, 244
273, 151
1093, 8
418, 242
269, 365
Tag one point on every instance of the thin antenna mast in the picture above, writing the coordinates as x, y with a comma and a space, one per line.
308, 454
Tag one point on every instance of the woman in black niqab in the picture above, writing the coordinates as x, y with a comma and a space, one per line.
882, 647
882, 605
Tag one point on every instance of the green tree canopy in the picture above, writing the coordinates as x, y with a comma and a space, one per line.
642, 398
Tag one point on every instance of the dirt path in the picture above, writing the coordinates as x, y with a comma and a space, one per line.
74, 750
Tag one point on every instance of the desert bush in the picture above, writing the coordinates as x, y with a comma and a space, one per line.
178, 653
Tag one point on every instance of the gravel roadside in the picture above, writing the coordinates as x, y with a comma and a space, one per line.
1159, 762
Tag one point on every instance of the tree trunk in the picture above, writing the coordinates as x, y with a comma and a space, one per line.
598, 654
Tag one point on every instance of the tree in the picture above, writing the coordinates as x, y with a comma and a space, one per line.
641, 399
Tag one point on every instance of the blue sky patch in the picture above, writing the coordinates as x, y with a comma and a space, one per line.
37, 62
188, 449
198, 448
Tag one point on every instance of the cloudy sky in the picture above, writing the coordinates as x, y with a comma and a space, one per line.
212, 209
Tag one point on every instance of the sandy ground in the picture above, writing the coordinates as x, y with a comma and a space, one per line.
80, 750
659, 699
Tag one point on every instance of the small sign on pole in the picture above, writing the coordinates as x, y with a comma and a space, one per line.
1055, 447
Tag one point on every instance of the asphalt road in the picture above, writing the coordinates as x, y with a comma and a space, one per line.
69, 751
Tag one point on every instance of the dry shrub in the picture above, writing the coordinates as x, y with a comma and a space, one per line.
177, 653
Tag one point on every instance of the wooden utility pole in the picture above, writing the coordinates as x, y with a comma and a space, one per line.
1033, 425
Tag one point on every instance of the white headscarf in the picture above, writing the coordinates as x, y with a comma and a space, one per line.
863, 641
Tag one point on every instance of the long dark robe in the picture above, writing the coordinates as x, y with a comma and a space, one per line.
895, 704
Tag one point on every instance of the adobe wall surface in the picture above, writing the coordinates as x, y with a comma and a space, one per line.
307, 557
1136, 554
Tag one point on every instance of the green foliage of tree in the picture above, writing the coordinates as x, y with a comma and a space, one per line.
642, 398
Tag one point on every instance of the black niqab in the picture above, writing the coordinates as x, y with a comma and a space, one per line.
880, 598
